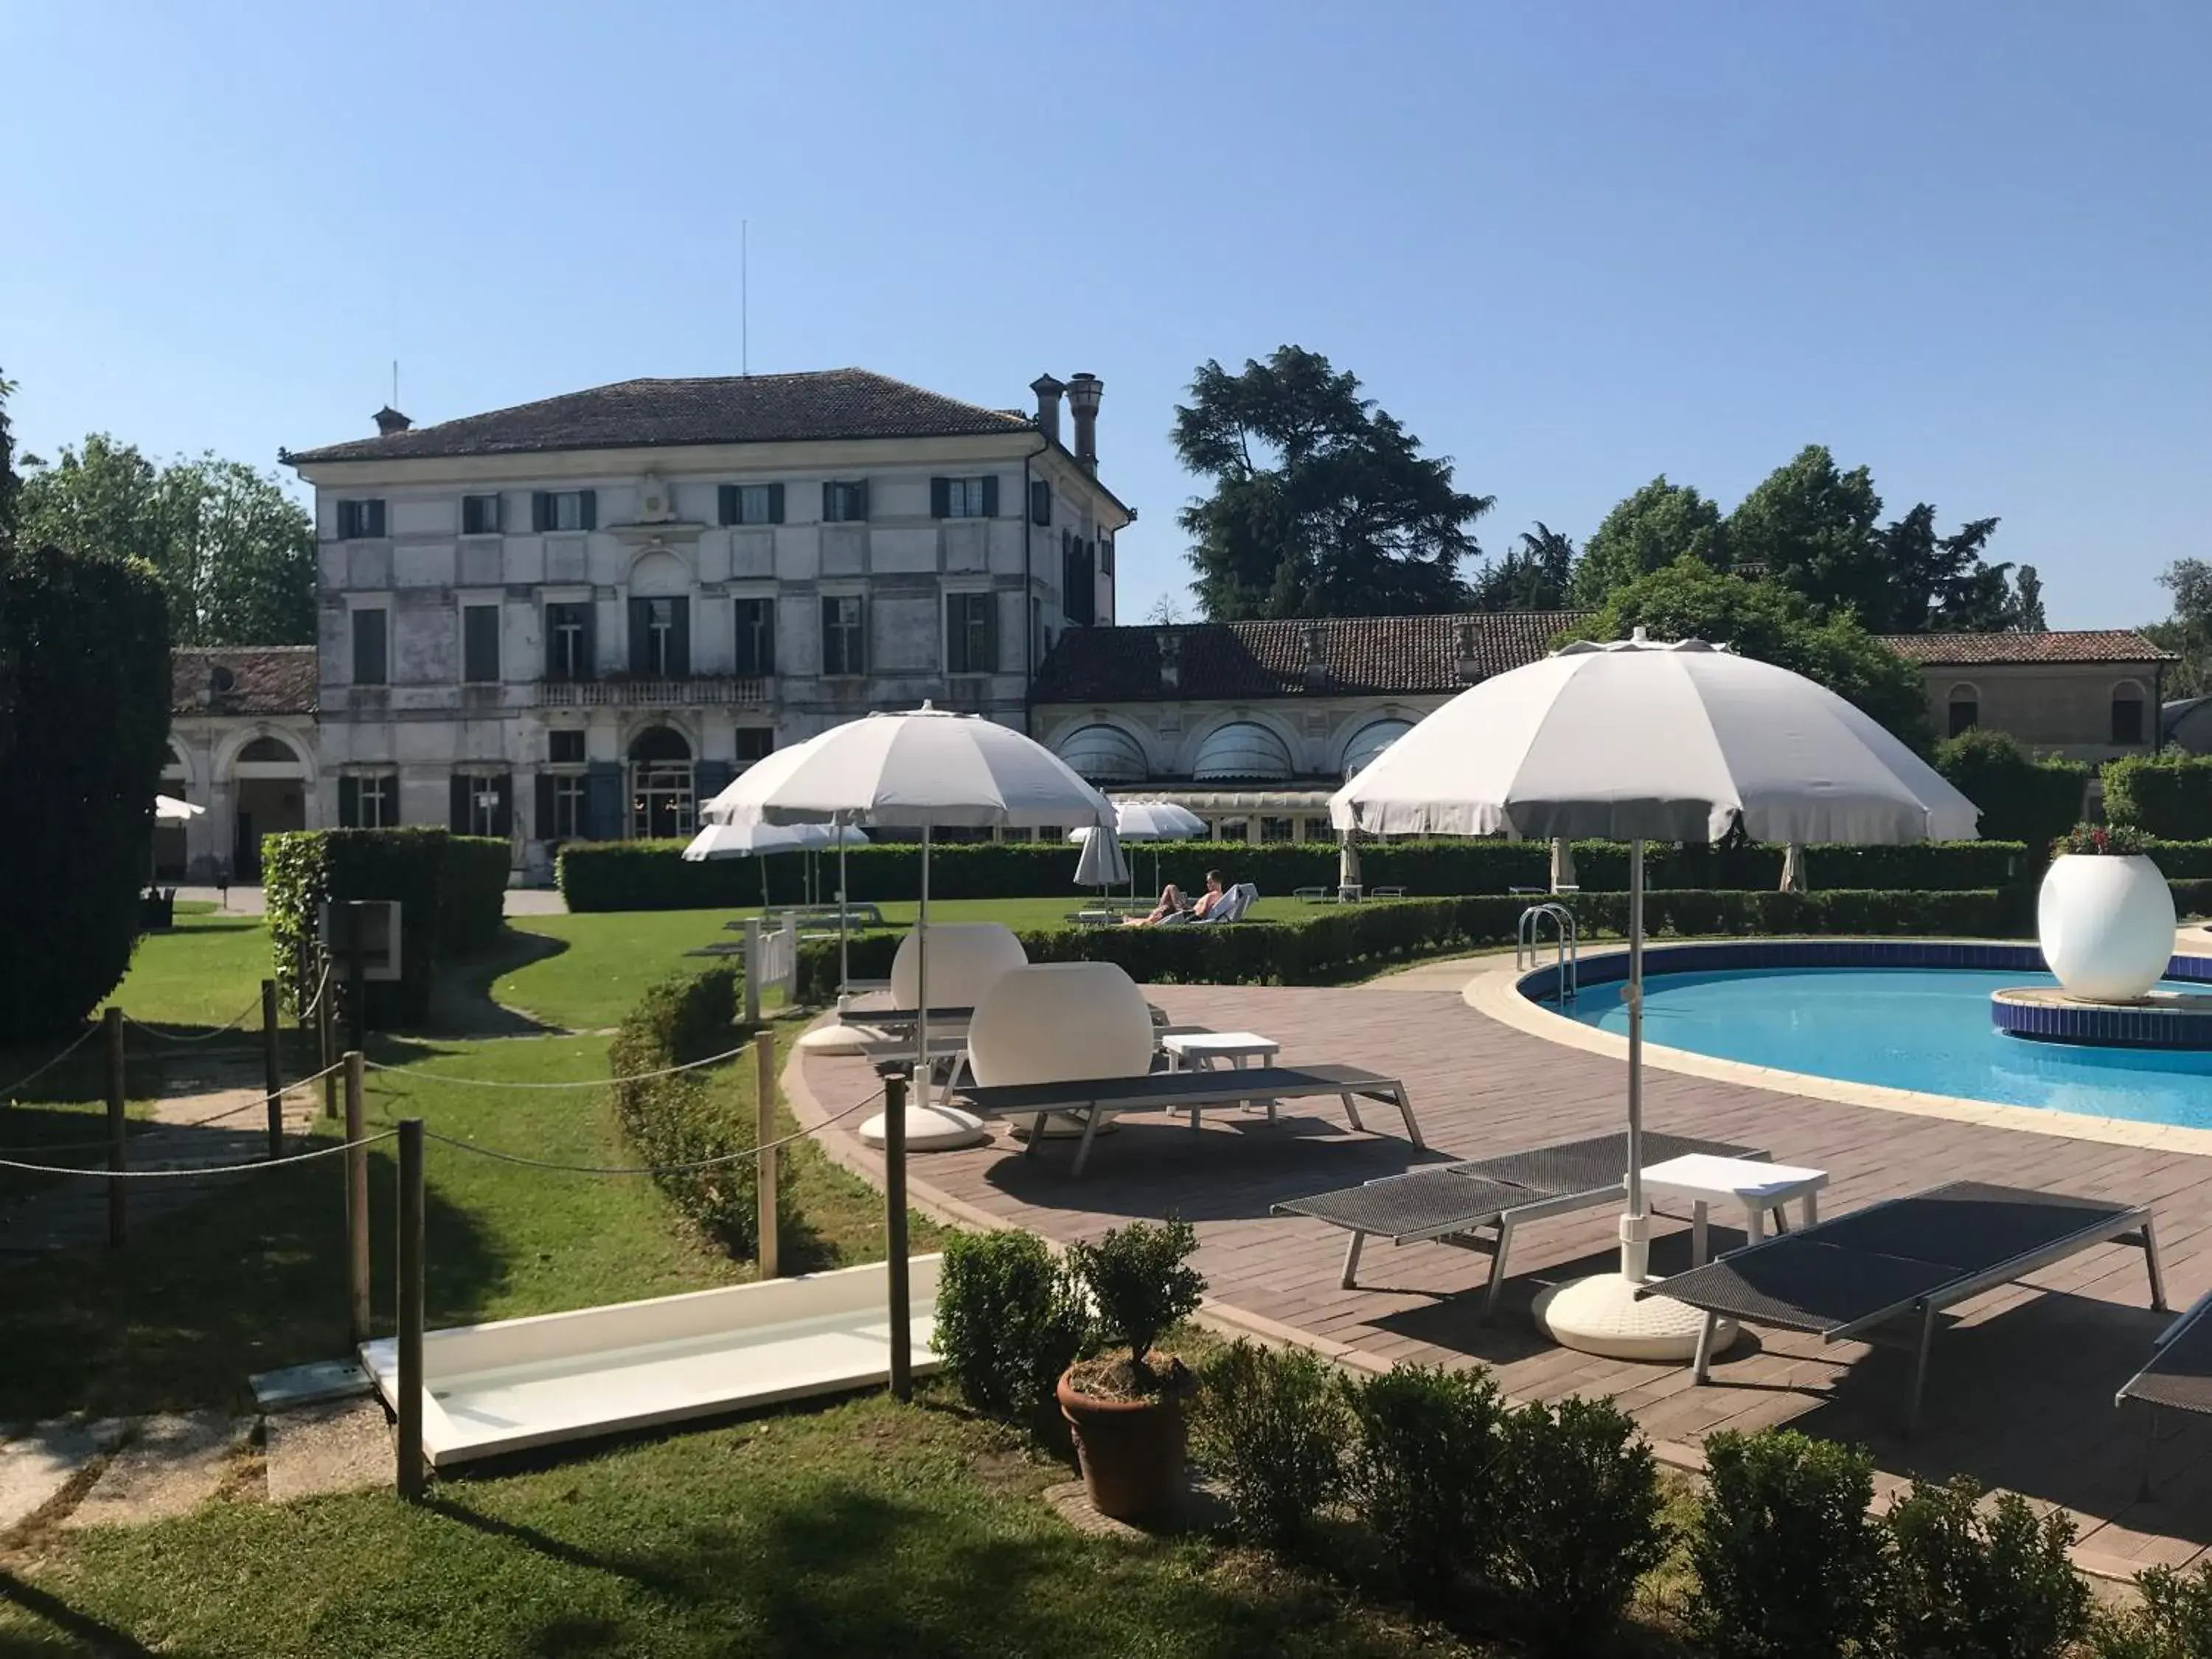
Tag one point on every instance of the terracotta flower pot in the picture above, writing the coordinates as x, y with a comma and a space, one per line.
1131, 1450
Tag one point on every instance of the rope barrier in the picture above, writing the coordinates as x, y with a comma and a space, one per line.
197, 1173
82, 1037
231, 1025
145, 1126
587, 1083
646, 1169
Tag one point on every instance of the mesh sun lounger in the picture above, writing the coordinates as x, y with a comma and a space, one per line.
1182, 1091
1907, 1257
2178, 1377
1452, 1203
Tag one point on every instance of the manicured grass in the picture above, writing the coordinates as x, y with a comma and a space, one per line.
201, 972
858, 1528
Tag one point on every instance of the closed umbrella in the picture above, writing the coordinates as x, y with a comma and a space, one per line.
1639, 741
1151, 820
1101, 864
1347, 861
1562, 866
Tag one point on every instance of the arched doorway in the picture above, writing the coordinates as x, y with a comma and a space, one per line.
268, 797
660, 784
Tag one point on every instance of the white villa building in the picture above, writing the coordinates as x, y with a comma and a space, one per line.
580, 617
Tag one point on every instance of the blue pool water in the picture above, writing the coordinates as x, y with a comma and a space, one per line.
1906, 1028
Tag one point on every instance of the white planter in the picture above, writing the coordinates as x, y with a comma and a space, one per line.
2106, 925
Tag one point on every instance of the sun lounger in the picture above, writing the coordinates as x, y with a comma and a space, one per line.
1906, 1258
2178, 1377
1453, 1203
1092, 1101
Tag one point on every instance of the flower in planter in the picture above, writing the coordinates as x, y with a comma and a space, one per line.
2100, 841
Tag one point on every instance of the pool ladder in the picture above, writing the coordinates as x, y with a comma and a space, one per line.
1527, 946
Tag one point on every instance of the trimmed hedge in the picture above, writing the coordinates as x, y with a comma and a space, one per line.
1337, 943
650, 875
2165, 795
680, 1118
450, 890
2022, 797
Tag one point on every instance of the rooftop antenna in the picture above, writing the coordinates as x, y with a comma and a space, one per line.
744, 332
395, 383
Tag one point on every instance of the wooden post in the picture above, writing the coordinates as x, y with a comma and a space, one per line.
894, 1267
111, 1020
411, 1309
764, 1120
356, 1207
272, 1073
752, 970
326, 1048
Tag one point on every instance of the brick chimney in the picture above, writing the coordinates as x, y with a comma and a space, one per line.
1083, 391
1048, 392
1317, 675
389, 421
1170, 647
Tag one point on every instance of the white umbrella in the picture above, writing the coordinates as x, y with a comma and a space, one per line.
1102, 864
167, 809
756, 839
1638, 741
1151, 820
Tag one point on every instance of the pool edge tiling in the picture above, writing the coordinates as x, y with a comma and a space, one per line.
1497, 993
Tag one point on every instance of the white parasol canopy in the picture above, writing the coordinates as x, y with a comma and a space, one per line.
1640, 741
167, 809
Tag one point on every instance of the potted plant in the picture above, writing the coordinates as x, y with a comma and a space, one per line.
2104, 914
1125, 1408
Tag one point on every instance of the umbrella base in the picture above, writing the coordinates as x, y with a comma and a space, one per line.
930, 1129
1603, 1315
838, 1039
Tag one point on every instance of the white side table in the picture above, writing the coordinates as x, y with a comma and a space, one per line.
1706, 1180
1204, 1051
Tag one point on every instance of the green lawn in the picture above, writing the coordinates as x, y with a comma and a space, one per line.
859, 1529
201, 972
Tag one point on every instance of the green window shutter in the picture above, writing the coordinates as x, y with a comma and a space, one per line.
502, 823
541, 818
990, 663
829, 500
586, 643
775, 503
458, 801
991, 495
679, 641
940, 498
348, 803
1039, 501
860, 501
728, 495
541, 510
641, 636
587, 508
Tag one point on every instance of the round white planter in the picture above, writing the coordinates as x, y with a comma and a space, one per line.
2106, 925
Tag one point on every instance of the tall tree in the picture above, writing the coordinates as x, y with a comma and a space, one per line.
1940, 584
1532, 576
1322, 504
2027, 603
234, 553
11, 487
2188, 631
1809, 527
1656, 526
1690, 600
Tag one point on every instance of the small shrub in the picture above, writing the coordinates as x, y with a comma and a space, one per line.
1271, 1425
2022, 797
1787, 1562
1139, 1281
2168, 795
1970, 1582
1009, 1320
2112, 840
2173, 1622
1425, 1470
1579, 1519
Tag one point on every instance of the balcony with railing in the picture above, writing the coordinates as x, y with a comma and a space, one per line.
720, 690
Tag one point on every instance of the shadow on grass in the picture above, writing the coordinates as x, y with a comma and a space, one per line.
461, 1002
84, 1633
250, 1278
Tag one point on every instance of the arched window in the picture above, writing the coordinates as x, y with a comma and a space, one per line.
658, 743
1103, 754
2128, 712
661, 801
1241, 748
268, 748
1370, 741
1966, 709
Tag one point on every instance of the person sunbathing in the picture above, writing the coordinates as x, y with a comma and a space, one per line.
1171, 903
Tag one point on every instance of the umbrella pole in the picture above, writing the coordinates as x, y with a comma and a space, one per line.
895, 1265
1636, 1225
844, 969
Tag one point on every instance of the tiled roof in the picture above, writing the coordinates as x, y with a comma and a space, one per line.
243, 679
2122, 644
836, 403
1406, 654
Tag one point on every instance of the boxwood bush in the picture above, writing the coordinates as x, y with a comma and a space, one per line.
1334, 942
681, 1117
1971, 1579
2023, 798
1424, 1471
2165, 795
650, 875
1272, 1426
450, 890
1009, 1320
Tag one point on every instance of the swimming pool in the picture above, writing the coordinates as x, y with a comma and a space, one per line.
1918, 1028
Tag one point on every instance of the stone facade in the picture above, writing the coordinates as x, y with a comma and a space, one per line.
242, 747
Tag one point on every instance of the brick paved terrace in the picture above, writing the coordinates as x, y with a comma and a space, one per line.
2020, 1389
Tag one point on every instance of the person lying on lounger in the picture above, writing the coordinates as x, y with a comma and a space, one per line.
1171, 903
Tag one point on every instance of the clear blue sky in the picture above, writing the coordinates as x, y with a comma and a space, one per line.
1571, 246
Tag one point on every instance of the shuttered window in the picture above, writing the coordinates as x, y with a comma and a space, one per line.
480, 644
568, 641
845, 500
755, 636
564, 510
971, 634
369, 666
479, 515
843, 635
963, 498
360, 521
751, 503
660, 638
